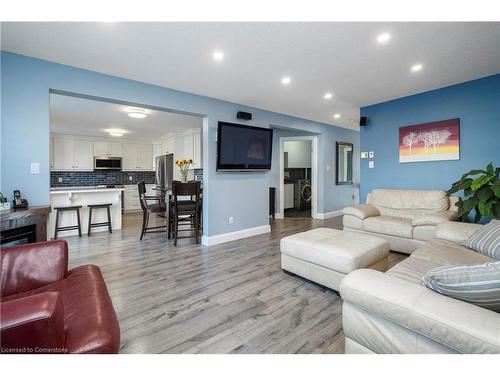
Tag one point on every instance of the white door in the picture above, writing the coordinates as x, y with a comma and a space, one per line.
64, 154
84, 155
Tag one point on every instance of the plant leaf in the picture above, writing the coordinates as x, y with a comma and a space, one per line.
480, 181
472, 173
489, 169
496, 190
470, 203
484, 193
485, 208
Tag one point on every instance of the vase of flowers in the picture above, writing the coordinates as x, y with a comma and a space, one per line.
183, 165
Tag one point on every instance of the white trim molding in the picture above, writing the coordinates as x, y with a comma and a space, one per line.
328, 215
314, 173
236, 235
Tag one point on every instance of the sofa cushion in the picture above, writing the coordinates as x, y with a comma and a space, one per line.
435, 218
478, 284
408, 203
361, 211
394, 226
434, 253
486, 240
337, 250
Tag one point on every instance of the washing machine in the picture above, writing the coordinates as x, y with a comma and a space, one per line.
303, 194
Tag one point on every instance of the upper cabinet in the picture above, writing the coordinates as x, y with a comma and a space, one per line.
137, 157
192, 147
168, 144
157, 151
71, 154
112, 149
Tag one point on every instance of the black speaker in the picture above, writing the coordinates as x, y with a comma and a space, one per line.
362, 121
244, 115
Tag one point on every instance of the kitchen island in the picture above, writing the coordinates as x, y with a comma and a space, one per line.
83, 196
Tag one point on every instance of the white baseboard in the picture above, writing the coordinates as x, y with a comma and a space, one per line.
232, 236
278, 215
328, 215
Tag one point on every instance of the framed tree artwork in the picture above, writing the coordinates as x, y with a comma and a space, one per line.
439, 140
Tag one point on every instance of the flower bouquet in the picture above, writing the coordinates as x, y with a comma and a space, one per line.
183, 165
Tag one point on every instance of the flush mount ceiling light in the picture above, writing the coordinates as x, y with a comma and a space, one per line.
416, 68
137, 114
286, 80
337, 115
116, 132
383, 38
328, 96
218, 55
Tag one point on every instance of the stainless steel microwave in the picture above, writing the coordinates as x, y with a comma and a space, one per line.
104, 162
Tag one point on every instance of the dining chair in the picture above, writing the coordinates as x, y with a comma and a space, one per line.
185, 212
159, 207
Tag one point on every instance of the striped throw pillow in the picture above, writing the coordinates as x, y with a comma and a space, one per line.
478, 284
486, 240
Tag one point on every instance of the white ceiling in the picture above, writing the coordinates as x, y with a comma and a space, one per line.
77, 116
343, 58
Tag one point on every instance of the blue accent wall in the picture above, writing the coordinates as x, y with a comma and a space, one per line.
25, 85
477, 105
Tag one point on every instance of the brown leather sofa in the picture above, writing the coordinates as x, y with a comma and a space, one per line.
47, 309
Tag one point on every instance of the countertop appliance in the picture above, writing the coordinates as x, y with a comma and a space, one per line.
109, 186
107, 163
164, 166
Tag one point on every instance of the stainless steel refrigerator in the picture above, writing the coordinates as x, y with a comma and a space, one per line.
164, 172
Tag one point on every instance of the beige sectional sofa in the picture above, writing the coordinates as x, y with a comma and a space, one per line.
393, 312
406, 218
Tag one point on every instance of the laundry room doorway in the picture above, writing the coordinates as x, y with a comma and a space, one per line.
298, 177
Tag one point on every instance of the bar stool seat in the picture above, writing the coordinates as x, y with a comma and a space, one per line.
101, 224
57, 228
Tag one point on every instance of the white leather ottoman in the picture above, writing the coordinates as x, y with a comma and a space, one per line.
325, 255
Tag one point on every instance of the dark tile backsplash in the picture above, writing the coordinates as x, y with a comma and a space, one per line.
295, 174
105, 178
100, 178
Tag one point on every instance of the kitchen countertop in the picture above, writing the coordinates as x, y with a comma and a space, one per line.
82, 189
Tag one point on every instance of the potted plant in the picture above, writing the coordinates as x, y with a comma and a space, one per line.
481, 193
183, 165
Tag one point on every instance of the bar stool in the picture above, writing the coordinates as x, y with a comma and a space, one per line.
69, 227
104, 223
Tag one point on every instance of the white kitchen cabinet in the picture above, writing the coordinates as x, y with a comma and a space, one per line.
168, 144
131, 196
192, 147
84, 155
289, 196
70, 154
137, 157
111, 149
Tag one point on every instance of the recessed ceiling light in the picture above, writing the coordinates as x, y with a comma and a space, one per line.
328, 95
384, 38
137, 114
286, 80
416, 67
116, 132
337, 115
218, 55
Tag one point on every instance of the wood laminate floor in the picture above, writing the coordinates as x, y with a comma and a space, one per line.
229, 298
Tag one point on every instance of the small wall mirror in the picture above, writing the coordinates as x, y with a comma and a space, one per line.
344, 163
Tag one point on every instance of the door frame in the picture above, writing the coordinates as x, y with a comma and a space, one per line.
314, 174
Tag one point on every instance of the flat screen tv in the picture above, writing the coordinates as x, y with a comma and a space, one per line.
243, 148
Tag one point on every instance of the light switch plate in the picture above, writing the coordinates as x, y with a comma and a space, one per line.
371, 164
364, 155
371, 154
328, 167
35, 167
59, 179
